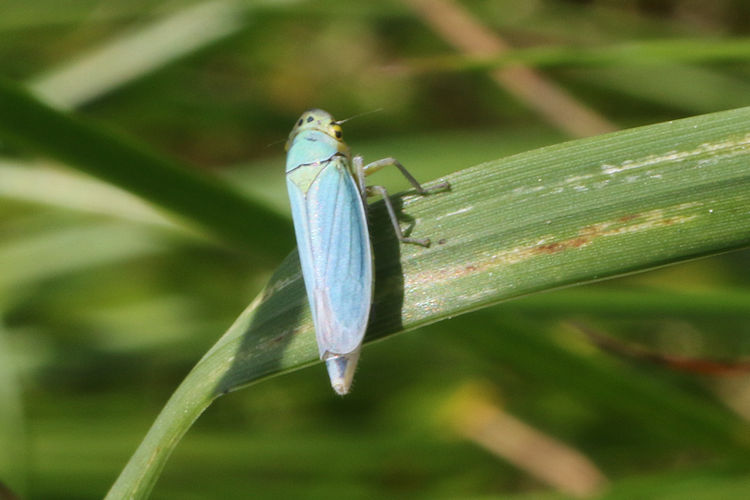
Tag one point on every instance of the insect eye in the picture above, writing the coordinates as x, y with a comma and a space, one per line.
336, 131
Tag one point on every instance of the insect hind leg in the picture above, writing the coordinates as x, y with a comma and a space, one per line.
369, 190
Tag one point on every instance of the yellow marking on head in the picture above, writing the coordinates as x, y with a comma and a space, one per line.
322, 121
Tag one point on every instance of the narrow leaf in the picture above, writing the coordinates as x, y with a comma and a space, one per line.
183, 191
572, 213
654, 52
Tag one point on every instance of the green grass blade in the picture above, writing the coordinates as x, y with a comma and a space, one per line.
719, 480
54, 252
654, 52
694, 89
641, 393
573, 213
130, 56
185, 192
622, 302
13, 458
29, 182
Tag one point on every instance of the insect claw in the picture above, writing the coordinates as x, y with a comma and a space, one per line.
443, 186
424, 242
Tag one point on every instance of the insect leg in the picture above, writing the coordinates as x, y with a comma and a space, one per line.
387, 162
364, 170
392, 214
359, 171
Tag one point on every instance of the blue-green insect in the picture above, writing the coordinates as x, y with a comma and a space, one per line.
328, 195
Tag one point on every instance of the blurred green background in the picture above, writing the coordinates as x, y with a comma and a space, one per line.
106, 303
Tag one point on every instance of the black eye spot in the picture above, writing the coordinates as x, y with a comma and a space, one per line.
338, 134
309, 119
299, 122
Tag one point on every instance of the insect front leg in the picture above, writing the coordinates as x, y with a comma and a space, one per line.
363, 171
359, 171
374, 166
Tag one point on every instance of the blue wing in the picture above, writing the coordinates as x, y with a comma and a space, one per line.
335, 254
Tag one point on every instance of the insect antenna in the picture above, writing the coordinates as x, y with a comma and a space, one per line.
339, 122
275, 143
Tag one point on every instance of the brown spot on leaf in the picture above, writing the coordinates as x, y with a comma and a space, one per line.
626, 224
559, 246
551, 247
